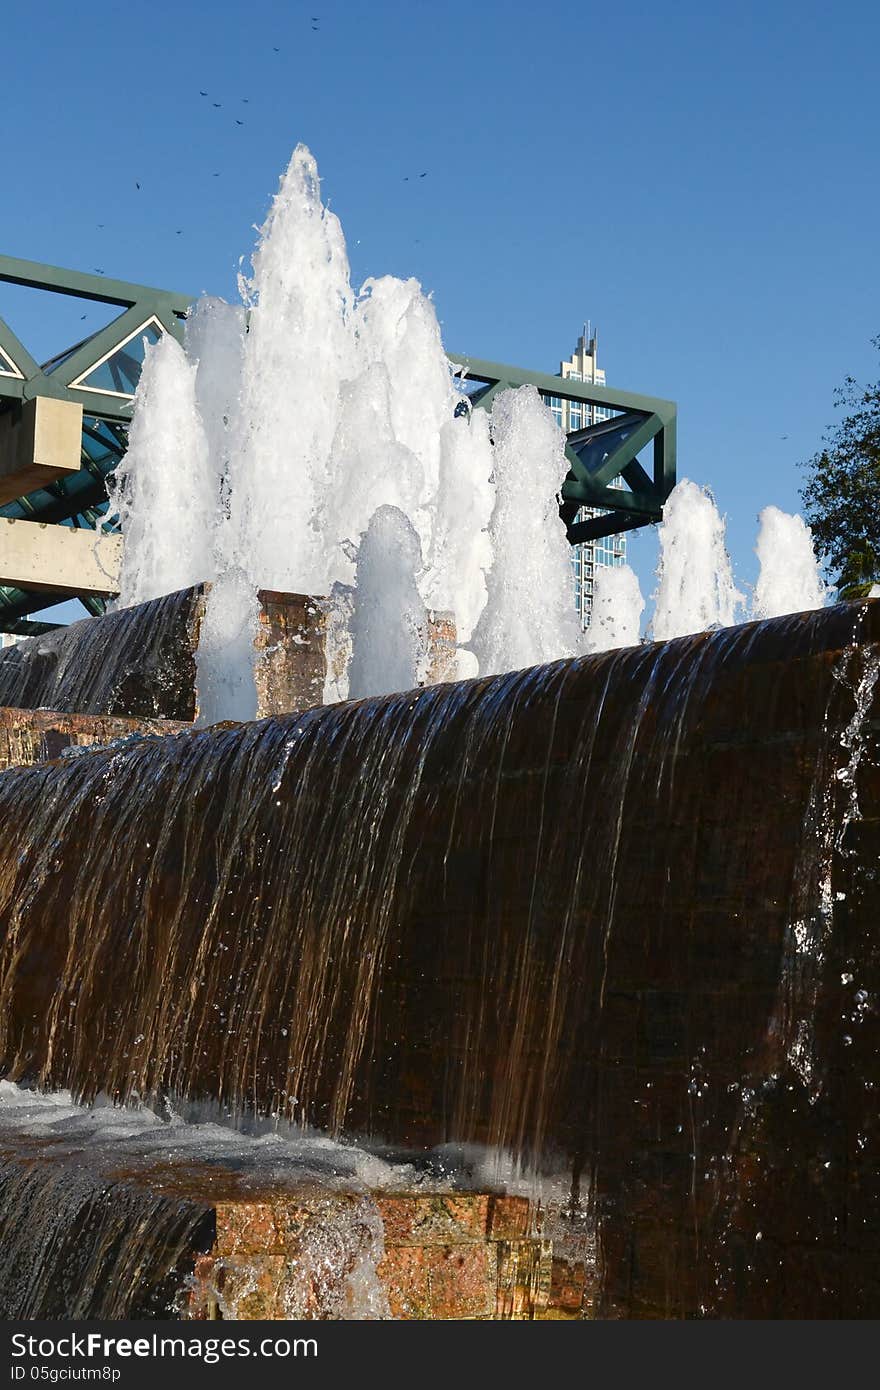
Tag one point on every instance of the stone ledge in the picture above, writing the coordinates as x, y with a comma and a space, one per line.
441, 1258
36, 736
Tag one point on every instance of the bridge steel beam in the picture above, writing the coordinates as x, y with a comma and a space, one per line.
602, 452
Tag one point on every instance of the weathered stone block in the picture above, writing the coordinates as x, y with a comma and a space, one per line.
436, 1220
140, 662
35, 736
437, 1281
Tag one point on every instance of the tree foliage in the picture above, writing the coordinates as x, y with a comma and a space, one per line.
841, 496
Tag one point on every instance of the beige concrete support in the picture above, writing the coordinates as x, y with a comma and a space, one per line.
58, 559
39, 443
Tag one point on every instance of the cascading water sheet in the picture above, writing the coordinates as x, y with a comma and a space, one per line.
550, 912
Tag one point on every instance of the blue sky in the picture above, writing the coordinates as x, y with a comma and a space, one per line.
698, 180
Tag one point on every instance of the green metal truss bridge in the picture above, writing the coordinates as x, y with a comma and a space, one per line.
607, 489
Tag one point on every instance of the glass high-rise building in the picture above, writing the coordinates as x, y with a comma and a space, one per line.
577, 415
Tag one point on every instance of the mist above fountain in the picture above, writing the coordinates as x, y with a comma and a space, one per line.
302, 418
260, 453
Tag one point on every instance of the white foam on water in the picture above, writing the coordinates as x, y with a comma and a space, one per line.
695, 587
617, 609
108, 1134
272, 1151
788, 579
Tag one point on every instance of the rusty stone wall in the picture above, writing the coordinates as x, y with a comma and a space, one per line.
467, 1255
36, 736
140, 662
195, 1239
442, 655
291, 664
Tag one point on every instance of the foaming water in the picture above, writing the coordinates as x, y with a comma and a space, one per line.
105, 1210
617, 609
389, 623
528, 617
789, 580
305, 412
695, 588
135, 1138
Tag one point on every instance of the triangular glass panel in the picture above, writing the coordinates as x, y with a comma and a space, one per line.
117, 373
620, 484
103, 443
594, 446
61, 357
8, 367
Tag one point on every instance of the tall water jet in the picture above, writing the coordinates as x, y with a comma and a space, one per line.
788, 580
461, 550
297, 353
617, 609
314, 407
226, 655
225, 659
389, 628
445, 491
281, 383
165, 489
695, 590
529, 616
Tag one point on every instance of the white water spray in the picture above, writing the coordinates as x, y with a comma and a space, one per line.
305, 415
529, 616
165, 489
789, 580
389, 623
695, 590
298, 351
617, 609
226, 656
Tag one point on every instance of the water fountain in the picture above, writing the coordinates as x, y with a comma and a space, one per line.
548, 992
